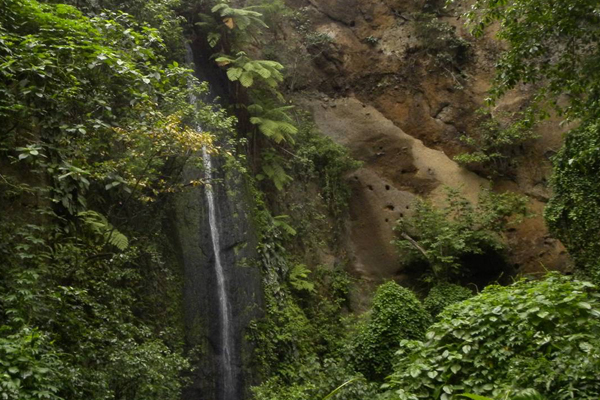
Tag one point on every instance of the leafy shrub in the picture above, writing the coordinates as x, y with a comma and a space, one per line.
226, 25
396, 314
442, 238
572, 211
303, 307
442, 295
497, 140
542, 335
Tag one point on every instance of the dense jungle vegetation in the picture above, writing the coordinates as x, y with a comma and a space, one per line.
96, 127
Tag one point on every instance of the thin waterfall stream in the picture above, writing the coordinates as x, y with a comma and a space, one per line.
226, 336
227, 382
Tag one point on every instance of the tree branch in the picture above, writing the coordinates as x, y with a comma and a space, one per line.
415, 244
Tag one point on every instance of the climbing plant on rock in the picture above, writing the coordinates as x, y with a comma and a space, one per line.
396, 315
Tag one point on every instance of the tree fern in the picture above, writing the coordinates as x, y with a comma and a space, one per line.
274, 123
242, 17
276, 173
246, 79
272, 168
246, 70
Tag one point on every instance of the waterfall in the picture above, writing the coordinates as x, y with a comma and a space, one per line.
226, 337
227, 382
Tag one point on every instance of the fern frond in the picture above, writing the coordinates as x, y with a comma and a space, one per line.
299, 278
234, 73
246, 79
99, 225
255, 109
118, 240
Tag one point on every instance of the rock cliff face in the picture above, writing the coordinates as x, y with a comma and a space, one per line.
397, 167
381, 82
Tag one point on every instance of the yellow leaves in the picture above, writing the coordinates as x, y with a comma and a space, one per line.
165, 135
144, 148
229, 22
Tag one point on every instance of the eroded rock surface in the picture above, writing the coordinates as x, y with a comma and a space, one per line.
397, 168
382, 93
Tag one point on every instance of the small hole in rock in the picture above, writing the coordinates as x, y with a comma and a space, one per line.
390, 207
387, 187
387, 220
401, 215
356, 177
407, 207
370, 187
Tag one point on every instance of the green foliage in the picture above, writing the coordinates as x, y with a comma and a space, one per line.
274, 12
299, 343
371, 40
82, 299
273, 167
299, 278
318, 158
527, 394
300, 336
302, 307
540, 335
496, 143
553, 42
246, 70
274, 123
444, 294
160, 15
227, 25
96, 128
440, 42
442, 238
328, 379
30, 368
396, 315
571, 212
242, 17
75, 84
317, 39
554, 46
99, 226
258, 79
